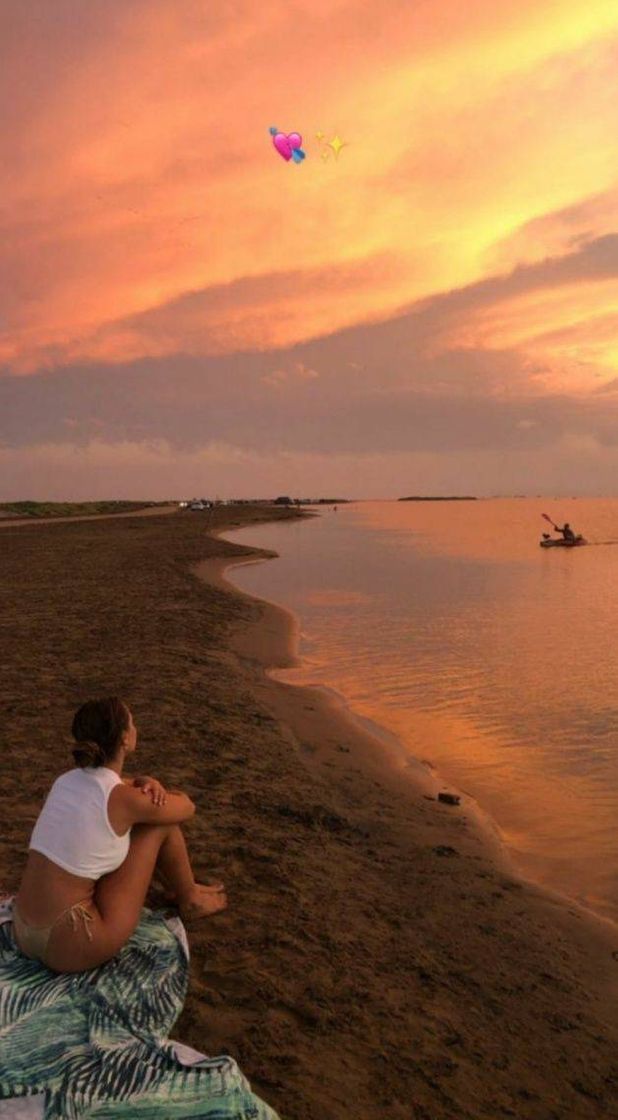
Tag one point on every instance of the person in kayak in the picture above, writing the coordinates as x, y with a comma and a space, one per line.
567, 532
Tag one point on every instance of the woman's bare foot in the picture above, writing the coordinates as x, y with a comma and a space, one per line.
202, 902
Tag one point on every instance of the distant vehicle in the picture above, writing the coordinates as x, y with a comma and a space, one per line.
197, 505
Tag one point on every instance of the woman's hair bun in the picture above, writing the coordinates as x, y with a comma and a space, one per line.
87, 753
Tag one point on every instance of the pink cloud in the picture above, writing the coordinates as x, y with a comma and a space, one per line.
138, 170
452, 277
298, 372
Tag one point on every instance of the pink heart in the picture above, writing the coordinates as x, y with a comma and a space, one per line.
283, 145
295, 139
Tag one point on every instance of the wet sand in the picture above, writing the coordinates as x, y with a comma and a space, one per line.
378, 959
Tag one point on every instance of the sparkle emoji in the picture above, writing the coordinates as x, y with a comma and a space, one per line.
333, 146
289, 145
337, 144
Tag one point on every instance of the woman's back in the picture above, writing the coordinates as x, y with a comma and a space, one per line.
86, 879
73, 829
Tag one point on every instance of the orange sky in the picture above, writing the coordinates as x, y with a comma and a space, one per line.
158, 258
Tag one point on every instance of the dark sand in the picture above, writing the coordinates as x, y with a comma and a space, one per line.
377, 961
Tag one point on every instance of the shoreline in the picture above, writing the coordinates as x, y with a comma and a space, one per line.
379, 749
558, 929
273, 648
373, 961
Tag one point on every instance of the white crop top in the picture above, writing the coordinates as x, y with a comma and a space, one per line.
73, 828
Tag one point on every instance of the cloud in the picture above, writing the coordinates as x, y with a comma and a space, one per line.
166, 281
557, 232
280, 377
385, 388
57, 472
144, 212
455, 402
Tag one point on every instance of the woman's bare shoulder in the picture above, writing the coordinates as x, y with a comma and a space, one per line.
120, 806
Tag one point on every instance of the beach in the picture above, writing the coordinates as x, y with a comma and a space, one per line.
378, 958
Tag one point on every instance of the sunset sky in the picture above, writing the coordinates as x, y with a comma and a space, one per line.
434, 310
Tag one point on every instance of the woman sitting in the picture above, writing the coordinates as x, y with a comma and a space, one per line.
95, 846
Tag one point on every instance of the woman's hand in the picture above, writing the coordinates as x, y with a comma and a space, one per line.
158, 794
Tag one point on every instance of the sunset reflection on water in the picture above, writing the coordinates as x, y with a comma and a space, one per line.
490, 658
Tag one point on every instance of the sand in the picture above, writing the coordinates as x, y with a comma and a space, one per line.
378, 958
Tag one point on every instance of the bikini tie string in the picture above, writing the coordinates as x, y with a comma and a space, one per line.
80, 911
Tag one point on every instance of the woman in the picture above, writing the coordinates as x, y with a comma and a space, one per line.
95, 846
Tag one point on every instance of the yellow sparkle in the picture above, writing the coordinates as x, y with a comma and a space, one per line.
319, 135
324, 156
337, 144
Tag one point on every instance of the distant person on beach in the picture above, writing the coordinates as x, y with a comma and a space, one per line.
566, 531
95, 846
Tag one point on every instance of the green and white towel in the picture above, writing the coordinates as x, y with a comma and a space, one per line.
95, 1044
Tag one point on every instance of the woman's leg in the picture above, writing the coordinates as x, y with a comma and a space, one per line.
173, 857
132, 879
173, 865
174, 870
119, 897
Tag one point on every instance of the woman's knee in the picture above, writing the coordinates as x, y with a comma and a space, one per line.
147, 841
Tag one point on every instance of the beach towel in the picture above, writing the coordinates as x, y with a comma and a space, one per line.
95, 1044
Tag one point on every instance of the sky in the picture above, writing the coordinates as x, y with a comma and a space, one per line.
433, 308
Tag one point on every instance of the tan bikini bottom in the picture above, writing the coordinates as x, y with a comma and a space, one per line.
33, 940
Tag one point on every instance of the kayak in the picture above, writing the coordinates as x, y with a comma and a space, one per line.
559, 542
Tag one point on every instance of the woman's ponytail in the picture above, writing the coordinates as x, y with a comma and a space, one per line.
87, 753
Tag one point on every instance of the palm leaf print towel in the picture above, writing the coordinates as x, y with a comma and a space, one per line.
95, 1044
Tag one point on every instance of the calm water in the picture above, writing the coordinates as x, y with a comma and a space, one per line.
492, 659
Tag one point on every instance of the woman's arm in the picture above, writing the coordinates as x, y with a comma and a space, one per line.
128, 806
152, 786
176, 808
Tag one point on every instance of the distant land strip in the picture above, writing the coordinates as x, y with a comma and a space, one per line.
448, 498
30, 509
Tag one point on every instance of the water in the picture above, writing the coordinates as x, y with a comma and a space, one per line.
492, 659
